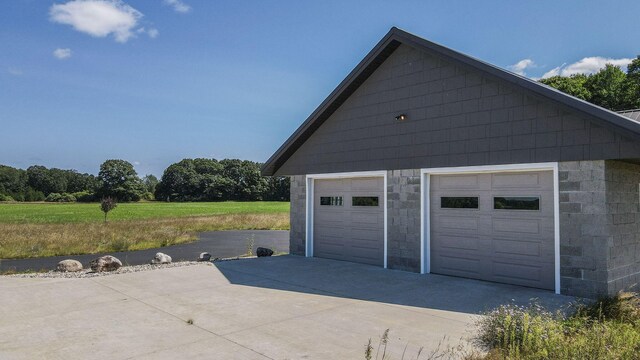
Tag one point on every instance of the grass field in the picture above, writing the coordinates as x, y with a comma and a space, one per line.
43, 229
56, 213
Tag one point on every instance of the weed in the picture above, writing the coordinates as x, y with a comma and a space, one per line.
190, 321
251, 242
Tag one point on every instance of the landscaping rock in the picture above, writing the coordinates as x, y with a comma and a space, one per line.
105, 263
69, 265
205, 256
262, 252
161, 258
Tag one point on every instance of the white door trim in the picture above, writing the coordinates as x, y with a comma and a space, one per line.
425, 218
310, 196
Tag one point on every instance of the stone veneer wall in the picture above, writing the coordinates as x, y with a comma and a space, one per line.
623, 220
583, 231
403, 223
298, 217
599, 227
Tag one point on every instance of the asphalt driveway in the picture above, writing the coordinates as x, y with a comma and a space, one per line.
220, 244
284, 307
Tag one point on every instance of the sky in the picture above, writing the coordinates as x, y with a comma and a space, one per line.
153, 82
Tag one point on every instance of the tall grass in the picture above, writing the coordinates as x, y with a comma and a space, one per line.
37, 239
606, 329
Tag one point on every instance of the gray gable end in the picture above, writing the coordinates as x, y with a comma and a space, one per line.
457, 115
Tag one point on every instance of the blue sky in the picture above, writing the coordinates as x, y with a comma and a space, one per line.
153, 82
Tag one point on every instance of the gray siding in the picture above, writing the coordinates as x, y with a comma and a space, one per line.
456, 117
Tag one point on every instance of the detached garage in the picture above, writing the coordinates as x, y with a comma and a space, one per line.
424, 159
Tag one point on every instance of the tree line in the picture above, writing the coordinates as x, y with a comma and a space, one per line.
186, 180
610, 88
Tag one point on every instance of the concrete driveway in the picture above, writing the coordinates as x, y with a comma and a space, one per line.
284, 307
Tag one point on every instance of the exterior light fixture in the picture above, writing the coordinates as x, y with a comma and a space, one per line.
401, 117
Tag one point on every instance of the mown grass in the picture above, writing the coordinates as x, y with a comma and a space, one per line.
40, 239
57, 213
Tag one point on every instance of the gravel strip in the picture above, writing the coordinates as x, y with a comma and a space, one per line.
87, 273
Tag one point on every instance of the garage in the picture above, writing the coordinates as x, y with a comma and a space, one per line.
348, 219
494, 226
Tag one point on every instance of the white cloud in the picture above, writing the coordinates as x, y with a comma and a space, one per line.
588, 65
62, 54
178, 6
522, 65
99, 18
14, 71
153, 33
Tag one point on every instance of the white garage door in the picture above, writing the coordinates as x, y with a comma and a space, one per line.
348, 219
494, 226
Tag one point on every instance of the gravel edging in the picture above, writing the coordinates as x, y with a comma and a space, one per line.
87, 273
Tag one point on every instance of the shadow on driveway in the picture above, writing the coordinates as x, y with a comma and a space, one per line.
371, 283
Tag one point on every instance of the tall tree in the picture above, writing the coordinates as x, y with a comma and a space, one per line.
572, 85
632, 84
150, 183
118, 179
13, 182
607, 88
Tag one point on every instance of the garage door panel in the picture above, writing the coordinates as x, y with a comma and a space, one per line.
460, 265
334, 217
360, 218
516, 180
511, 226
367, 184
329, 231
329, 185
346, 232
513, 245
516, 272
457, 242
456, 222
516, 248
457, 182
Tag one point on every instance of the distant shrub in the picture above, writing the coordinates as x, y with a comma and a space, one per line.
84, 196
64, 197
4, 197
148, 196
33, 195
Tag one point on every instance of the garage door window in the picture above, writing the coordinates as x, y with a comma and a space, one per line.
457, 202
331, 200
364, 201
516, 203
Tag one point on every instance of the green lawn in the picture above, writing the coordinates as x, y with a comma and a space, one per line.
54, 213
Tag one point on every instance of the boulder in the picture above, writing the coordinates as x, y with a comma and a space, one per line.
205, 256
69, 265
105, 263
262, 252
161, 258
